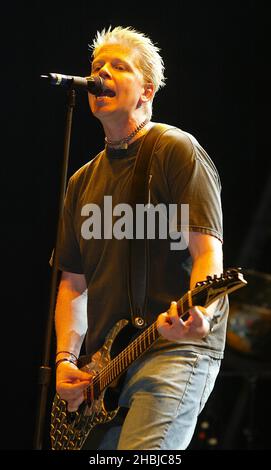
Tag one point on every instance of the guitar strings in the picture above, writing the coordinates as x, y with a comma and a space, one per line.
108, 373
124, 358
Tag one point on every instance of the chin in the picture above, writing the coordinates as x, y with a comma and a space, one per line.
104, 116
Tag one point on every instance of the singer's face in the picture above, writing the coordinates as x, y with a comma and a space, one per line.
117, 65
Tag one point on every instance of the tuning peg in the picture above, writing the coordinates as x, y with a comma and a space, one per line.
233, 271
213, 278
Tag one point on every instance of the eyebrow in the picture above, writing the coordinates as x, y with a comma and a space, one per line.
115, 59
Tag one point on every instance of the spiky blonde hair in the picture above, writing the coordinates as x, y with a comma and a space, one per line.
150, 61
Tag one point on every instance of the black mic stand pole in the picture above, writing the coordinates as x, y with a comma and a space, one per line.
45, 370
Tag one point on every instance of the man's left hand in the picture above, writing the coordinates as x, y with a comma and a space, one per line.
172, 327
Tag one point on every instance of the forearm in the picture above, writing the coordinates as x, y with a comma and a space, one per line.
70, 318
207, 256
207, 264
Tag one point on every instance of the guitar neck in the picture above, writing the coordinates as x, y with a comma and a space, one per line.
203, 294
133, 351
123, 360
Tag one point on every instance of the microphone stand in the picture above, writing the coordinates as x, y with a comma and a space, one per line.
45, 369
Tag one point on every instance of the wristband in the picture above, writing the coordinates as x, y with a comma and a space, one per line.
67, 352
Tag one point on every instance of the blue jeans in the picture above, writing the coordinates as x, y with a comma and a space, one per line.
165, 392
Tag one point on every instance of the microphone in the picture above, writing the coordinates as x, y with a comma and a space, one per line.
94, 85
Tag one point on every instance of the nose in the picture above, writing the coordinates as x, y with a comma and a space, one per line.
104, 72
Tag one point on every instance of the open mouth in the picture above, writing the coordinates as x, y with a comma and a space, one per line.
107, 92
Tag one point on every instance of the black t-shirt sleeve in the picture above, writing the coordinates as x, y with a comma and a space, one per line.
193, 179
69, 256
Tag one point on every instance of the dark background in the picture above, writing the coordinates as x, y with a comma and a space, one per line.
217, 62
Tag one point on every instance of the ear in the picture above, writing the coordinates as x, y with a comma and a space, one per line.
148, 93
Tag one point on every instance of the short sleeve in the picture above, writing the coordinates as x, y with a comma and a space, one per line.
194, 181
69, 256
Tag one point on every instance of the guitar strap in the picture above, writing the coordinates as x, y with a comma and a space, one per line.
138, 262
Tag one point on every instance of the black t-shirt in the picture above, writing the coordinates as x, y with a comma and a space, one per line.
181, 173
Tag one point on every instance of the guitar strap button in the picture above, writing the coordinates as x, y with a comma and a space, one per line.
139, 322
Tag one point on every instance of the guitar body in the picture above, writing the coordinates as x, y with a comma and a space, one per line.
123, 345
69, 430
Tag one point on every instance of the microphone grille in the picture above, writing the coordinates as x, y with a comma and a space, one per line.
95, 85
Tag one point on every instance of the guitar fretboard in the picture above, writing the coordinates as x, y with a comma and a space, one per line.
133, 351
122, 361
145, 340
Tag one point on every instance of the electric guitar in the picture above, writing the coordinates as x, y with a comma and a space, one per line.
69, 430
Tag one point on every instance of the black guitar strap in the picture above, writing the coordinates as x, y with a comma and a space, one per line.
138, 265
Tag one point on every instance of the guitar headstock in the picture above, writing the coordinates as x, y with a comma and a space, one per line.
214, 287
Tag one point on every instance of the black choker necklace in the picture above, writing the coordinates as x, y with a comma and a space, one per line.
123, 143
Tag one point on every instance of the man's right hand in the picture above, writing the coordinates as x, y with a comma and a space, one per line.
71, 383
